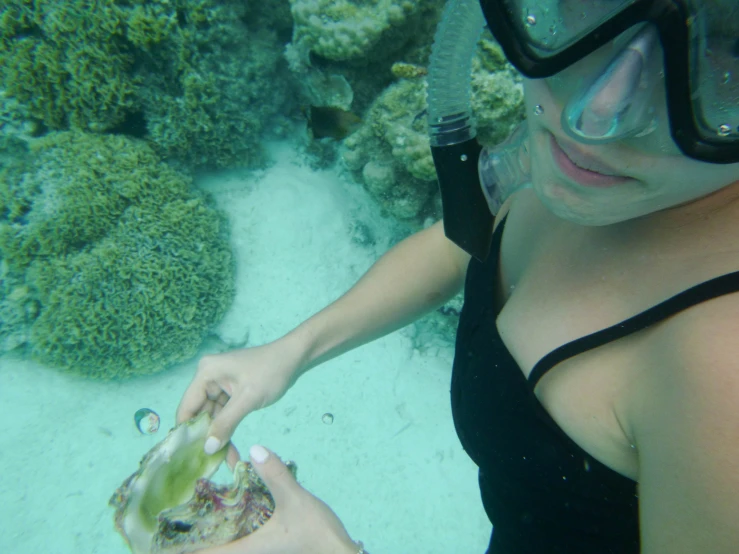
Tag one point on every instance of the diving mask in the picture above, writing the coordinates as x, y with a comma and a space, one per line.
688, 48
687, 51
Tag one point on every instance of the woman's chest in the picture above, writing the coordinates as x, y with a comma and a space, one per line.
559, 292
557, 283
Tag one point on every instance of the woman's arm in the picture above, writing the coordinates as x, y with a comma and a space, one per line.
416, 276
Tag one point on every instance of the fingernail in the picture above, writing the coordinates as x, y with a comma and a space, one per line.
212, 445
258, 453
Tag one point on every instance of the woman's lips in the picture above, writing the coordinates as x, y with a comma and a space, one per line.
587, 177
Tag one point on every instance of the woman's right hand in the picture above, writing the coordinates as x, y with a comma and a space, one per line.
233, 384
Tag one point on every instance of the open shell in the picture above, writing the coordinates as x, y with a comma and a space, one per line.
170, 507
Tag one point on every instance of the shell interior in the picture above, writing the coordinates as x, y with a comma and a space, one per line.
166, 478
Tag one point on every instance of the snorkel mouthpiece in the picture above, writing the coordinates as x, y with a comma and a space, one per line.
505, 168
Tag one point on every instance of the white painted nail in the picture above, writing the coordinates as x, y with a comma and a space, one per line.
212, 445
258, 453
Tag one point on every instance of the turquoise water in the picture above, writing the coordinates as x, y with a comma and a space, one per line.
389, 464
162, 197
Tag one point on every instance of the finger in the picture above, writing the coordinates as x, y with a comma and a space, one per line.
223, 425
192, 401
222, 399
211, 407
276, 475
214, 390
232, 456
214, 407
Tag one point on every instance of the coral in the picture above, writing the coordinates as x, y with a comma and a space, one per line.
271, 14
16, 128
403, 70
209, 89
191, 76
17, 310
127, 267
497, 93
67, 61
344, 50
354, 29
391, 154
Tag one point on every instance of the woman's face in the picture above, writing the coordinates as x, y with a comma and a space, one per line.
630, 178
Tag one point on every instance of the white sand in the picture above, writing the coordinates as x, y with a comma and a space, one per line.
390, 465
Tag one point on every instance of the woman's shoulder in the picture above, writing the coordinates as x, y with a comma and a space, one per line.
685, 425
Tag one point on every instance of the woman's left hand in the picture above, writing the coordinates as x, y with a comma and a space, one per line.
300, 524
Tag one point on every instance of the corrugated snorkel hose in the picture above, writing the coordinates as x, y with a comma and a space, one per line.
450, 73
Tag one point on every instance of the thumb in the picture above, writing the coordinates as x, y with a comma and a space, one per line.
222, 427
276, 475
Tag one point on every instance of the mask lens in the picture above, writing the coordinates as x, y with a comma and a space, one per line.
552, 25
714, 70
619, 101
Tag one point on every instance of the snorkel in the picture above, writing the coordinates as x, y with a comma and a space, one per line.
474, 182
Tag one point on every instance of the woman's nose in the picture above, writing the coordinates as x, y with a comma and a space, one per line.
618, 102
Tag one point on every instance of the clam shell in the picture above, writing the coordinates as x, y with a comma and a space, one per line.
166, 478
169, 506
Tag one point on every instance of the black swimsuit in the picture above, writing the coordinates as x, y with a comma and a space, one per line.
543, 493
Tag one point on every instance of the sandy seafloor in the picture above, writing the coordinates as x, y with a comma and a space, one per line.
390, 464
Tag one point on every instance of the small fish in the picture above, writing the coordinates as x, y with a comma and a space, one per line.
327, 121
420, 115
404, 70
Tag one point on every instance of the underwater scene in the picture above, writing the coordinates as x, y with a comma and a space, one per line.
182, 178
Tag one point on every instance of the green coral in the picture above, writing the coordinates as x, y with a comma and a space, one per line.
497, 93
17, 309
67, 61
191, 76
211, 82
213, 111
129, 267
391, 154
356, 29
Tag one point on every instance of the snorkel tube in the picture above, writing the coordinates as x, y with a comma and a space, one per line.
473, 187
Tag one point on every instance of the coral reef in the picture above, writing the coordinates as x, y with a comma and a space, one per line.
119, 268
342, 30
209, 90
109, 264
16, 128
191, 76
497, 93
68, 61
17, 310
342, 52
390, 153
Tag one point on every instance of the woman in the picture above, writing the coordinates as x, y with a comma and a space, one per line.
596, 381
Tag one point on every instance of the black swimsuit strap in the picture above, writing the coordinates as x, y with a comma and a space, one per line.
713, 288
